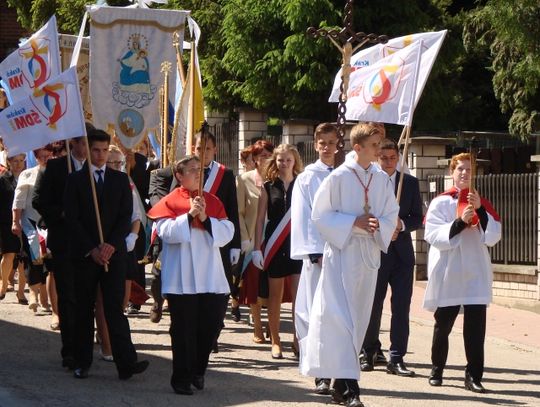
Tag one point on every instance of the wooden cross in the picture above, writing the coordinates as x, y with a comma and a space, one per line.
347, 41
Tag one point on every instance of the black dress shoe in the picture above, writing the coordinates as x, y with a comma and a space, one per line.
136, 368
473, 385
215, 347
235, 314
80, 373
354, 401
435, 377
198, 382
182, 388
380, 359
322, 386
69, 362
399, 368
366, 362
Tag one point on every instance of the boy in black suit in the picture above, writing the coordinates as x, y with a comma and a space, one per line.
48, 200
100, 263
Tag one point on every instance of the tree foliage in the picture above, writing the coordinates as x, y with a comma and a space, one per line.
257, 53
511, 32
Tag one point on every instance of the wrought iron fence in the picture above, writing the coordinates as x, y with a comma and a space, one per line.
307, 152
515, 196
227, 144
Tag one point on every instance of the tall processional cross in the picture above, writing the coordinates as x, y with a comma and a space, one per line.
347, 41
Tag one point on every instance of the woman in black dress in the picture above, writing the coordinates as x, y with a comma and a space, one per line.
274, 203
10, 244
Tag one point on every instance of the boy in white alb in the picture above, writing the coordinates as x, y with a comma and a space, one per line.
356, 213
306, 242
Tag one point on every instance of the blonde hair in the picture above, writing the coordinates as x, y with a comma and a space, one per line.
362, 131
272, 172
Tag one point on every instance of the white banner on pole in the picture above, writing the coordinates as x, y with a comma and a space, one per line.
52, 113
35, 62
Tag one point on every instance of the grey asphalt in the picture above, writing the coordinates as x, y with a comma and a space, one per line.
243, 373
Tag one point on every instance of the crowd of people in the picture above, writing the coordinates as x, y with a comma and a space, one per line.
329, 239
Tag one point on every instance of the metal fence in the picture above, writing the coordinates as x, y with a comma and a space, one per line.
515, 197
227, 144
307, 152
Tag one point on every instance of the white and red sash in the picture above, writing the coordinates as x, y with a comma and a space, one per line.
277, 238
214, 178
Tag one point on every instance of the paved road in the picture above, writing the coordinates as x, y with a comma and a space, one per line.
243, 373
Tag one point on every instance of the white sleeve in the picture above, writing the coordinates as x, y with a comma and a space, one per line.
438, 224
174, 231
334, 227
493, 232
388, 221
300, 220
222, 231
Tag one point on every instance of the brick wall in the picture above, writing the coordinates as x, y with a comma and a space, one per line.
10, 30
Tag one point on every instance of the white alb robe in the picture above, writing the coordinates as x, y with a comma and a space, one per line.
459, 269
344, 296
190, 259
306, 240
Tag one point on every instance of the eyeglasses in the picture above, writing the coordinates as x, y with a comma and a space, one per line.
116, 162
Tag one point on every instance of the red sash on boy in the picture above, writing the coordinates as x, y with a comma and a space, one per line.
214, 177
277, 238
178, 202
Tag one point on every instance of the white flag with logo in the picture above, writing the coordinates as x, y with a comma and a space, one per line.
36, 61
127, 48
432, 42
54, 112
384, 92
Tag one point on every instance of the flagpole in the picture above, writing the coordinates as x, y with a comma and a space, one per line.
408, 126
180, 68
68, 149
94, 195
191, 106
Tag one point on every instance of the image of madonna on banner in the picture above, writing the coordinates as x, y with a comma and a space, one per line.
125, 74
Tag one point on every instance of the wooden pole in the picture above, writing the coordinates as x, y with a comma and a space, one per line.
165, 69
202, 158
191, 107
68, 150
403, 162
94, 196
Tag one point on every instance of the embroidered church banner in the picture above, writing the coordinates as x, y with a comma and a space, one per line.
127, 48
67, 43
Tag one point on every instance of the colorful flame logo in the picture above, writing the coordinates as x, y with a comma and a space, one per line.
53, 101
379, 87
36, 66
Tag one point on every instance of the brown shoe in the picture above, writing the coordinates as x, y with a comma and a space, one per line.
155, 313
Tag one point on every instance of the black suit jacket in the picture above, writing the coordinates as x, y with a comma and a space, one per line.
410, 211
115, 207
7, 194
140, 175
48, 200
160, 185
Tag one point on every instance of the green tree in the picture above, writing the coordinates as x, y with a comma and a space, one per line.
511, 32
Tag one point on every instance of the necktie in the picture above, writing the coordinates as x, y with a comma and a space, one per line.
330, 169
99, 183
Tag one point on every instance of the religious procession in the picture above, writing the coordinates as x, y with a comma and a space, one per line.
113, 199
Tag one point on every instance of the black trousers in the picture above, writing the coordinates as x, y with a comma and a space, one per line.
64, 277
474, 334
400, 278
195, 322
87, 277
